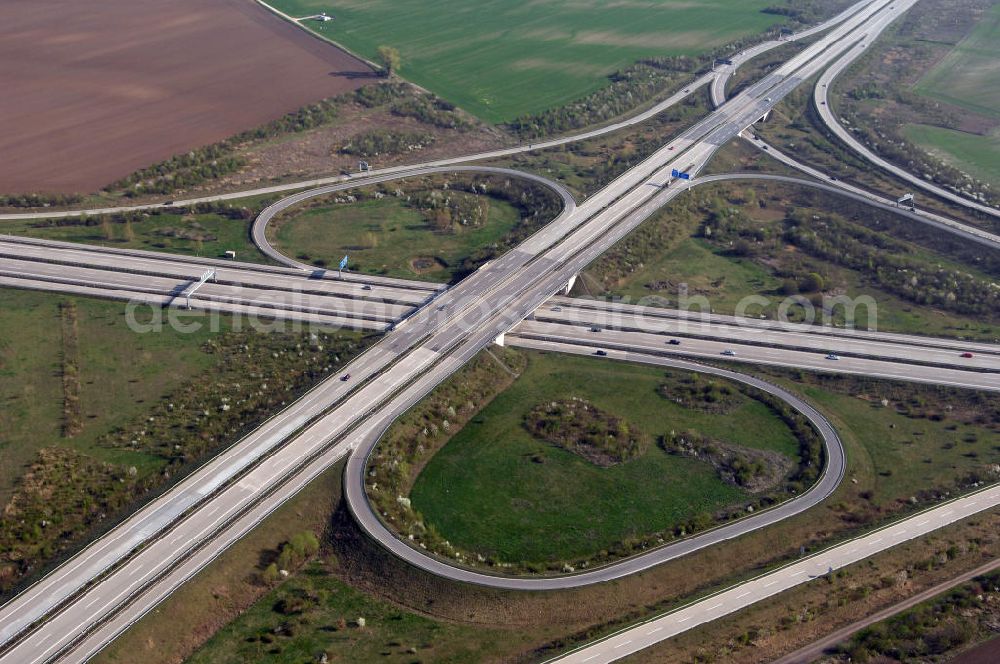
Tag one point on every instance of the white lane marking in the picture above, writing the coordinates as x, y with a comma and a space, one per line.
798, 573
684, 619
591, 657
622, 645
768, 585
743, 595
923, 522
654, 631
713, 607
876, 541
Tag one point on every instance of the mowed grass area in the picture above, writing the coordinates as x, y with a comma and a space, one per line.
877, 442
968, 76
500, 59
495, 489
121, 374
389, 238
209, 235
976, 155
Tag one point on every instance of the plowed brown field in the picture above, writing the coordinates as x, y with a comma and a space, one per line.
90, 92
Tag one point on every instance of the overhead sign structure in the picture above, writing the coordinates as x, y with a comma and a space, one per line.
209, 274
343, 265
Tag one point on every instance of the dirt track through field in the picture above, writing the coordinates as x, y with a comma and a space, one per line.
90, 92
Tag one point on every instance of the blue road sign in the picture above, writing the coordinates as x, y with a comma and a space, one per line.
343, 263
684, 176
675, 173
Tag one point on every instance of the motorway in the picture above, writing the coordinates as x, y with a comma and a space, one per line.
423, 350
162, 280
636, 638
276, 293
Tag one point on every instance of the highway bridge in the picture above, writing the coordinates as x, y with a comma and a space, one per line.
73, 612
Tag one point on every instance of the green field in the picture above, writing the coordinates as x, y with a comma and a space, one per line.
388, 237
121, 374
968, 76
499, 59
976, 155
496, 489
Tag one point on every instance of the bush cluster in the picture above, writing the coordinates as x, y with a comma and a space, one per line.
581, 427
382, 141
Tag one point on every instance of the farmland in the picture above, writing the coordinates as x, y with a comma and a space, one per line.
500, 59
92, 96
977, 155
968, 76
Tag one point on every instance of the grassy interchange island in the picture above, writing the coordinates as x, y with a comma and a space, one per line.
581, 459
436, 228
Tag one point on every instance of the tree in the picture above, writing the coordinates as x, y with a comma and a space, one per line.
389, 57
106, 228
812, 283
271, 574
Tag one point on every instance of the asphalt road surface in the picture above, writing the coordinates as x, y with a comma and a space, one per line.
705, 336
839, 187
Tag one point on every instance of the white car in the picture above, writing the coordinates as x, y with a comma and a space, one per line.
833, 356
729, 353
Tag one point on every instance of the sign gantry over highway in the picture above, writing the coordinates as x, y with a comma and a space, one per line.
209, 274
